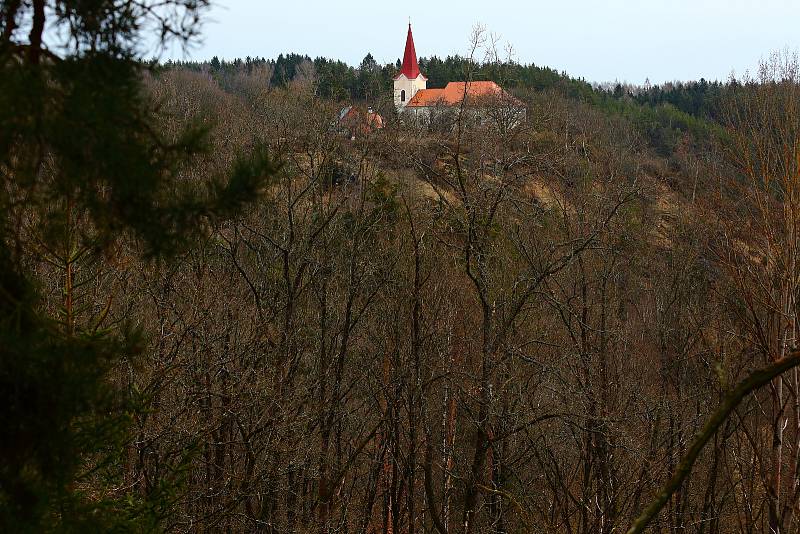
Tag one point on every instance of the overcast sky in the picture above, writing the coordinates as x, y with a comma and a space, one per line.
600, 40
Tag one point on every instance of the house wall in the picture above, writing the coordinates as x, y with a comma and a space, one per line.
501, 117
409, 86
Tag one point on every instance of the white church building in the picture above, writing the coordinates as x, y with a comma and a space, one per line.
484, 100
409, 81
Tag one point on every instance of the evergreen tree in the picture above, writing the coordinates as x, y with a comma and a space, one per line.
370, 84
84, 166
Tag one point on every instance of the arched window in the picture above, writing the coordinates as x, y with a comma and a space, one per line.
403, 95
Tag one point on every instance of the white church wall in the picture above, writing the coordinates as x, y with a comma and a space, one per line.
409, 86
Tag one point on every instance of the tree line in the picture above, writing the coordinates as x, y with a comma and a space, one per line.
337, 79
664, 113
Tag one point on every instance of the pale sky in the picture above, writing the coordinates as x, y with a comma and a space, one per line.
600, 40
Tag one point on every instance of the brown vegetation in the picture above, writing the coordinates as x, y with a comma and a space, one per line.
471, 330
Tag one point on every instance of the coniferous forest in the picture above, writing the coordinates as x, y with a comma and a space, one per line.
222, 309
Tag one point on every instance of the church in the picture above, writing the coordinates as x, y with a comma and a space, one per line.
483, 99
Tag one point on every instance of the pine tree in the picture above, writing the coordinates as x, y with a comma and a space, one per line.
83, 166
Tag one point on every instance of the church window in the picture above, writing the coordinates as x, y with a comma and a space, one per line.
403, 95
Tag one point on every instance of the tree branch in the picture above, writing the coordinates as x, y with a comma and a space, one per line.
37, 29
729, 403
10, 20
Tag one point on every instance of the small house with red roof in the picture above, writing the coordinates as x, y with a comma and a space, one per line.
482, 99
356, 121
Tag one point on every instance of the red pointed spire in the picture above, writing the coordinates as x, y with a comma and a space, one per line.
410, 66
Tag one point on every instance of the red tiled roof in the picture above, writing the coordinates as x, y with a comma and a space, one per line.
410, 66
360, 119
426, 97
454, 93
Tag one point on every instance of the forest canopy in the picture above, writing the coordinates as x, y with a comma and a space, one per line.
222, 308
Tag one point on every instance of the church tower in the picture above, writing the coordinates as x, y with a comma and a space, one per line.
409, 80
